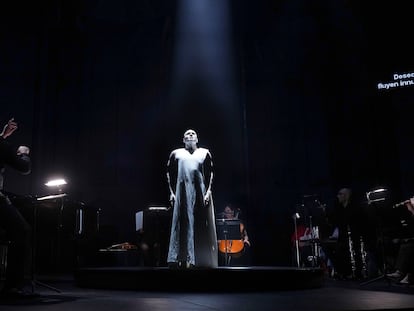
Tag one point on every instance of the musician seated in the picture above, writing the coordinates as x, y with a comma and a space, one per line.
305, 240
404, 266
234, 252
347, 218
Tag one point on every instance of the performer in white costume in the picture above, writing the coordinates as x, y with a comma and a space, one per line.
193, 239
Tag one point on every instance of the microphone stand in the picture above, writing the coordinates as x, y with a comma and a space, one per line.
314, 245
296, 216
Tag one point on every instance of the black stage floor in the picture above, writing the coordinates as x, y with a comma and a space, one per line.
260, 278
223, 289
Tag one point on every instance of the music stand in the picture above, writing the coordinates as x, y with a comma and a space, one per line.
153, 223
34, 281
375, 196
228, 229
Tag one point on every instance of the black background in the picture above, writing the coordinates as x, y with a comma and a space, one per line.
94, 89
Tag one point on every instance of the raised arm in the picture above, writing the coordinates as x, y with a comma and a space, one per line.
18, 160
9, 128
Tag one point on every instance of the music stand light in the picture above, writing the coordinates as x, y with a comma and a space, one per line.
58, 183
376, 195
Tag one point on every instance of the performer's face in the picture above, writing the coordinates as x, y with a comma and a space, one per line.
228, 212
343, 196
190, 136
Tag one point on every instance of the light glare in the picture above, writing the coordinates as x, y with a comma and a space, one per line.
56, 182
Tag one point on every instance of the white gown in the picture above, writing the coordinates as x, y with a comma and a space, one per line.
193, 236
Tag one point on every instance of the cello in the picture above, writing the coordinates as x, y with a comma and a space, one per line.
232, 246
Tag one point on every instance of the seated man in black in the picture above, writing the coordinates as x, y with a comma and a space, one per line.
404, 266
347, 219
17, 230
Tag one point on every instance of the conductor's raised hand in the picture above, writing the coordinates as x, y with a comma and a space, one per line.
9, 128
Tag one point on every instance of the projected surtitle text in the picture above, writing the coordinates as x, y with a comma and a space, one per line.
399, 80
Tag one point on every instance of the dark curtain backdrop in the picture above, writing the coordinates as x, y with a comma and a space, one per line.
89, 83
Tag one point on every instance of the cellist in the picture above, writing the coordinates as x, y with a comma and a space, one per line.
236, 250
